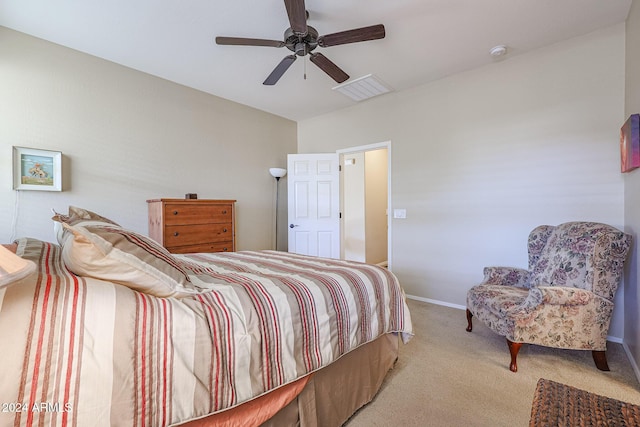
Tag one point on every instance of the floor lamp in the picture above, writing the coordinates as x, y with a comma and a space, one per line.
277, 173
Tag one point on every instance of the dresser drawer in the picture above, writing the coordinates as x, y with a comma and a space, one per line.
182, 235
203, 247
175, 214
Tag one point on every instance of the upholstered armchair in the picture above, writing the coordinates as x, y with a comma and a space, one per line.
564, 299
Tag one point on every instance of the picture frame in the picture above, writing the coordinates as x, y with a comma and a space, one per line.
37, 170
630, 144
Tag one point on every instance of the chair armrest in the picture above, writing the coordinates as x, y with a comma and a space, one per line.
506, 276
558, 295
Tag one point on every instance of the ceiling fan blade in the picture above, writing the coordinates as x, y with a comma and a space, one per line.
329, 67
279, 70
240, 41
373, 32
297, 16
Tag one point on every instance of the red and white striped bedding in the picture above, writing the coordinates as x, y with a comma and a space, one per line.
80, 351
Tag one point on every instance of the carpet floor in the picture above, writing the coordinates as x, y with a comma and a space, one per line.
446, 376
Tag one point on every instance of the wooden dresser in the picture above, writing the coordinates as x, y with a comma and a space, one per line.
193, 225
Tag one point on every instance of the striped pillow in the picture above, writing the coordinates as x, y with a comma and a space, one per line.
76, 216
80, 213
112, 253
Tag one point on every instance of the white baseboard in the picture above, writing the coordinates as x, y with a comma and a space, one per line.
437, 302
617, 340
634, 365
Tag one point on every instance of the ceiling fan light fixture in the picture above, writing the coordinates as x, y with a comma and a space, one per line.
300, 49
362, 88
302, 39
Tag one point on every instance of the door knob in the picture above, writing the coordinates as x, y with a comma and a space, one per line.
293, 225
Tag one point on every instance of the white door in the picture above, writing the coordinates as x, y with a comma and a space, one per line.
314, 204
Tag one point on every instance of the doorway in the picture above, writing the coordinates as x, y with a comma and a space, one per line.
365, 200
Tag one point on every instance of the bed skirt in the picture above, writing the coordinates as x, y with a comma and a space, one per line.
330, 396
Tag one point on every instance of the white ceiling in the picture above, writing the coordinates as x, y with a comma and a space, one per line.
425, 40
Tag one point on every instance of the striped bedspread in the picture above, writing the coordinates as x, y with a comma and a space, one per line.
79, 351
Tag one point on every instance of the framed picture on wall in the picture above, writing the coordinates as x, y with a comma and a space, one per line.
630, 144
39, 170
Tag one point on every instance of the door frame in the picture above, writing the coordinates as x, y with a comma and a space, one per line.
363, 148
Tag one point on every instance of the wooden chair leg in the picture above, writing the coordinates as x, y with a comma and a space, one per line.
600, 358
514, 348
469, 325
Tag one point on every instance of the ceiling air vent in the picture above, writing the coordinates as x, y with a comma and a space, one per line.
362, 88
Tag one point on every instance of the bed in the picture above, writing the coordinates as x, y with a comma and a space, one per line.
113, 330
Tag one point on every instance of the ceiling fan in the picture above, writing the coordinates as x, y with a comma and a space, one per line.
302, 39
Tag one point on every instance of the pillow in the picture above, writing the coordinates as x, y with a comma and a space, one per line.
110, 252
77, 216
13, 267
79, 213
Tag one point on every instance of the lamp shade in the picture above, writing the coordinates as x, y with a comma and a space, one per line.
277, 172
12, 267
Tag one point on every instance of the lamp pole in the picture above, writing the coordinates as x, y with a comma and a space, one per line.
277, 173
277, 205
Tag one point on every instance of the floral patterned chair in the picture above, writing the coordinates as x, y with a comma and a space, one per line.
564, 299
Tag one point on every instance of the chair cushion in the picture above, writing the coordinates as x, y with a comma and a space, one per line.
492, 304
522, 317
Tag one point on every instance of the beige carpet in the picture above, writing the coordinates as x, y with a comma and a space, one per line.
446, 376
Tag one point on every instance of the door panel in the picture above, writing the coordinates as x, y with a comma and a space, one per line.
314, 203
325, 240
302, 242
325, 200
301, 197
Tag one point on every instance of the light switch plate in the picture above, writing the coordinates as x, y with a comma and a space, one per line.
400, 213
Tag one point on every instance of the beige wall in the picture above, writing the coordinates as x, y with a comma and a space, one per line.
481, 158
127, 137
353, 208
364, 205
632, 190
376, 200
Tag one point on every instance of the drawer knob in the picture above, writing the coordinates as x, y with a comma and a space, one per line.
176, 234
225, 249
224, 230
224, 212
175, 212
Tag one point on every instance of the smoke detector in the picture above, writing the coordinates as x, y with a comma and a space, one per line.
499, 50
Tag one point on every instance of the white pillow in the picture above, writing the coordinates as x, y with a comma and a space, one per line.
111, 253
